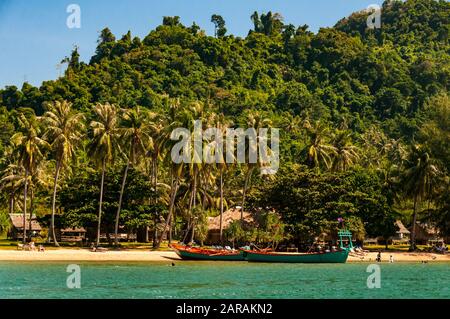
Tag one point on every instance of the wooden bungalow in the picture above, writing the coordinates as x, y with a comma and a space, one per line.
370, 241
402, 235
71, 235
16, 231
426, 234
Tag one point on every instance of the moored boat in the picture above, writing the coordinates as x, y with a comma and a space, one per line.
338, 256
194, 253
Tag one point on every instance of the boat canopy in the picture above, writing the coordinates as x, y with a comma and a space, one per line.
345, 234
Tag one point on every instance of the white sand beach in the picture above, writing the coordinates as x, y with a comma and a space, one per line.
86, 255
136, 255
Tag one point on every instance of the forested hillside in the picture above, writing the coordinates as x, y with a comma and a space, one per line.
363, 117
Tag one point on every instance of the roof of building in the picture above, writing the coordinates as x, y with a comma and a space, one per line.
402, 228
229, 216
73, 230
427, 229
17, 221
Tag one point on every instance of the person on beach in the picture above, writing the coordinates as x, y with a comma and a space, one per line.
379, 257
391, 259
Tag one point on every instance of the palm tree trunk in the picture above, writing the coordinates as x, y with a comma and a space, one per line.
100, 203
169, 239
247, 180
155, 199
171, 207
11, 201
221, 207
31, 208
55, 183
188, 228
124, 180
11, 205
194, 193
25, 207
192, 233
413, 230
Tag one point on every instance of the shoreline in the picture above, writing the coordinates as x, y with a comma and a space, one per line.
85, 255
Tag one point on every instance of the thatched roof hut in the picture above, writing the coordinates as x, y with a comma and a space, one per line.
401, 228
425, 233
16, 231
17, 222
402, 234
229, 216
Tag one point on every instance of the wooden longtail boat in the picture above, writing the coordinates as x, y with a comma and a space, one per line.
194, 253
339, 256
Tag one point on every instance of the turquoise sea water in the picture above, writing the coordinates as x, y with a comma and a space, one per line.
223, 280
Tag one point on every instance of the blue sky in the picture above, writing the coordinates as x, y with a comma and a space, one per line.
34, 37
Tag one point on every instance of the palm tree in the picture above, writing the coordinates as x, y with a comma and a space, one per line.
418, 179
135, 134
30, 149
12, 181
318, 150
39, 179
188, 118
103, 145
176, 170
346, 154
11, 176
256, 121
64, 129
222, 125
160, 132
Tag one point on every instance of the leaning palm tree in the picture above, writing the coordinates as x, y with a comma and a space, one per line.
176, 172
30, 150
103, 146
135, 135
418, 179
64, 129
